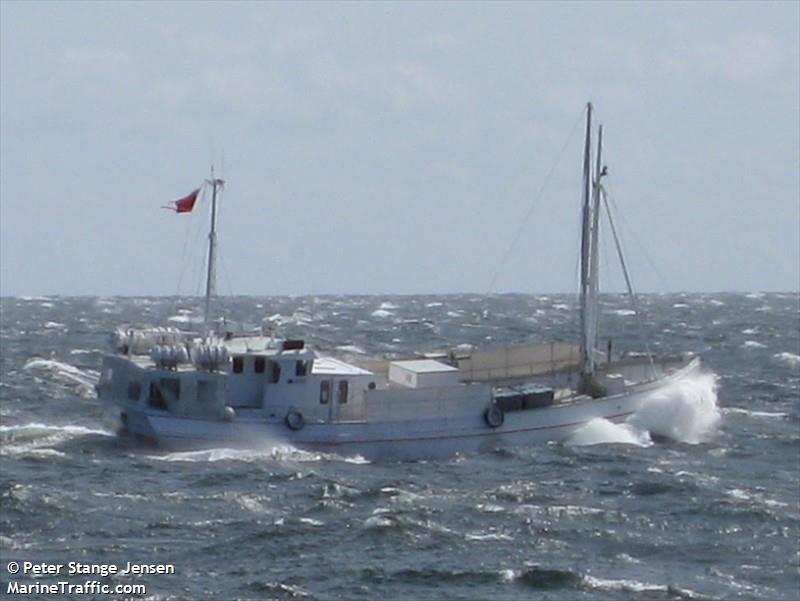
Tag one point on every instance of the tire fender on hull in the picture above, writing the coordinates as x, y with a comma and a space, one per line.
494, 416
294, 420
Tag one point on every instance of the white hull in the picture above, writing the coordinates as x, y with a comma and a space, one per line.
405, 440
184, 390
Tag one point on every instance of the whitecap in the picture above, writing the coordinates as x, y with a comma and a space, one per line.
789, 359
767, 414
482, 536
64, 370
36, 439
351, 348
753, 344
625, 312
54, 325
685, 410
636, 586
602, 431
35, 429
382, 313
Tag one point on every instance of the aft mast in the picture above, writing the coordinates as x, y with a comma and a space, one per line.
216, 184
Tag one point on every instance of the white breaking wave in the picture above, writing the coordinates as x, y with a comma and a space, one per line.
602, 431
685, 411
740, 411
351, 348
65, 371
278, 452
753, 344
789, 359
635, 586
36, 439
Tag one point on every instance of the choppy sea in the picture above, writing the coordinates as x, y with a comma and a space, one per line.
712, 513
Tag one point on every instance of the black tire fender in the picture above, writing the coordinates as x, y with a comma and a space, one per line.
295, 420
494, 416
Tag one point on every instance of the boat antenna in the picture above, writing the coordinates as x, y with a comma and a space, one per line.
216, 185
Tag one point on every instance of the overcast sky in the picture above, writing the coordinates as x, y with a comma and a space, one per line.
395, 148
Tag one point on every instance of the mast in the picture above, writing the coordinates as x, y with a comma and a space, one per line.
594, 254
212, 247
587, 363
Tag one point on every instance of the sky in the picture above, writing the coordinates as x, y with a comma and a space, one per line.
396, 148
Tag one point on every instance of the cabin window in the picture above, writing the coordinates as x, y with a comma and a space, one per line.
134, 390
300, 368
275, 373
172, 387
371, 386
259, 365
238, 365
156, 400
324, 392
160, 394
342, 392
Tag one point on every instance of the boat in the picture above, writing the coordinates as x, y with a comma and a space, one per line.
208, 386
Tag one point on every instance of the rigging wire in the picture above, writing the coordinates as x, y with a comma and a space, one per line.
628, 282
632, 231
192, 222
532, 207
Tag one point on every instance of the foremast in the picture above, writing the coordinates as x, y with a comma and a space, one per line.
211, 275
590, 277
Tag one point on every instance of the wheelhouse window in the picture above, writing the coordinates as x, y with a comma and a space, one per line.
275, 372
238, 365
300, 368
259, 365
324, 392
342, 391
163, 391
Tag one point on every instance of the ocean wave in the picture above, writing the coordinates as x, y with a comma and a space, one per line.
64, 372
790, 359
277, 453
37, 439
685, 411
750, 413
602, 431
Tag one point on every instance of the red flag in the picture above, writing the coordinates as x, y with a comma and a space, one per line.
185, 204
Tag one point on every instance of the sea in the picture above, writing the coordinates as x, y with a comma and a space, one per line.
711, 511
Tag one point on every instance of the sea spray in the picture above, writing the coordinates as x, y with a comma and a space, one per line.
685, 411
602, 431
